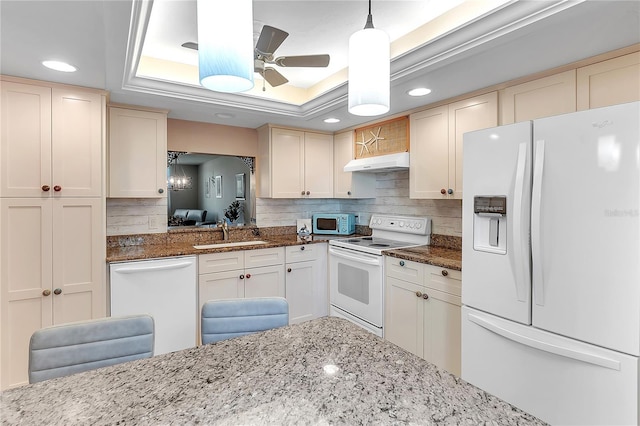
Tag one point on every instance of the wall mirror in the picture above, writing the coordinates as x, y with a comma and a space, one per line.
214, 182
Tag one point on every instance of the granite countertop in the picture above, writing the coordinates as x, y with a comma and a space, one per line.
185, 248
433, 255
325, 371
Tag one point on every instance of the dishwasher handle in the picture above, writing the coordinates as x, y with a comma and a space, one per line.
136, 269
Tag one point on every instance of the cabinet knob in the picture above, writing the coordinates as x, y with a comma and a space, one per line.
444, 273
450, 191
241, 276
46, 292
402, 263
57, 188
248, 276
418, 294
425, 296
443, 191
302, 193
288, 269
57, 291
160, 190
46, 188
308, 192
302, 248
348, 192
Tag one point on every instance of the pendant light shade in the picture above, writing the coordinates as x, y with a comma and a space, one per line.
225, 44
369, 71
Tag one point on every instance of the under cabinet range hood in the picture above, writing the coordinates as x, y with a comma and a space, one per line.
379, 164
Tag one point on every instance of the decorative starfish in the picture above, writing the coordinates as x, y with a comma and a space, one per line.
376, 137
364, 145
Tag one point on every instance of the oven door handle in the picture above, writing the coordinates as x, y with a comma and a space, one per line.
362, 258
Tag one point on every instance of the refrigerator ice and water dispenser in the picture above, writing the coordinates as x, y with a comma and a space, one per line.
490, 224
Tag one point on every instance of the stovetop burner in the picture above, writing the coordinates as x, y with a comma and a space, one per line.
389, 232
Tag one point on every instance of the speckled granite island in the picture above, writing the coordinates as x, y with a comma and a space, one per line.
325, 371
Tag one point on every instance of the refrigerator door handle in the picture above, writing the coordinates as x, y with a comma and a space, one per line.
536, 205
545, 346
518, 199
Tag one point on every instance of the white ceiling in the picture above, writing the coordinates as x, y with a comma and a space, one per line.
103, 38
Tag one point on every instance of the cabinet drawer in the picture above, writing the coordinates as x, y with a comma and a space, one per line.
304, 252
443, 279
405, 270
264, 257
220, 262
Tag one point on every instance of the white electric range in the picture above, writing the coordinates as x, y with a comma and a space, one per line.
356, 267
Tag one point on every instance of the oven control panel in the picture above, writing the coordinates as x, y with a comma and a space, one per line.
404, 224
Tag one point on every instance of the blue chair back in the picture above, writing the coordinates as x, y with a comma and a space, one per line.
71, 348
225, 319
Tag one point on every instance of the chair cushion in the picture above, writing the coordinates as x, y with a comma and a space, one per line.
181, 213
224, 319
197, 215
75, 347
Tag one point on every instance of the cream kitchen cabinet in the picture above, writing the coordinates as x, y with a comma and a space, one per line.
349, 184
237, 274
610, 82
544, 97
294, 164
51, 140
306, 281
52, 271
422, 311
436, 136
137, 152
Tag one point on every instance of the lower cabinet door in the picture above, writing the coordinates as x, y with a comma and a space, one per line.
403, 323
299, 290
267, 281
441, 341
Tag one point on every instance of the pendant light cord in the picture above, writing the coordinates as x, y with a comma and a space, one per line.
369, 23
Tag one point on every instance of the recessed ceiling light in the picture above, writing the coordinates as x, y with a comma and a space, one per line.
59, 66
224, 115
419, 91
331, 120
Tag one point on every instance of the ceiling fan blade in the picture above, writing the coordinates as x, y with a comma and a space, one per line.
303, 61
190, 45
273, 77
270, 39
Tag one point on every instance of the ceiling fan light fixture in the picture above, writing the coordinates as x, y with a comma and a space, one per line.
225, 45
369, 71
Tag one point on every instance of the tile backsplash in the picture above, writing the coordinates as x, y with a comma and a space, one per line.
144, 216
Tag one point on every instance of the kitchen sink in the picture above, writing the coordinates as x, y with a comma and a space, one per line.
235, 244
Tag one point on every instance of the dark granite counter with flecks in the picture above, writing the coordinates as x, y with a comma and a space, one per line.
325, 371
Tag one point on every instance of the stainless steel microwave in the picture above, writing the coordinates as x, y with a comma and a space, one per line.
334, 223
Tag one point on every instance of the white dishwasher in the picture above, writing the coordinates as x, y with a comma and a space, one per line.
164, 289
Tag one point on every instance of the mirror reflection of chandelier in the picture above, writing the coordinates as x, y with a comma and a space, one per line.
178, 180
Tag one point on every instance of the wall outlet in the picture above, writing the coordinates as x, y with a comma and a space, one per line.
153, 222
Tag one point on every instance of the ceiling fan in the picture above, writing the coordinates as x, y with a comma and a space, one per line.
268, 42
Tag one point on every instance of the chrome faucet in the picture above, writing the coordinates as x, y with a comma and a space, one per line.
225, 230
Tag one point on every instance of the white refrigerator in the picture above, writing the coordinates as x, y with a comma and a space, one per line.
551, 265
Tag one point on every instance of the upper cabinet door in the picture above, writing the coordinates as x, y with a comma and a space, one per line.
318, 165
477, 113
25, 140
78, 119
287, 163
137, 153
539, 98
611, 82
429, 159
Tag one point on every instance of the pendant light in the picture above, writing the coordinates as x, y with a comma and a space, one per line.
225, 44
369, 70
